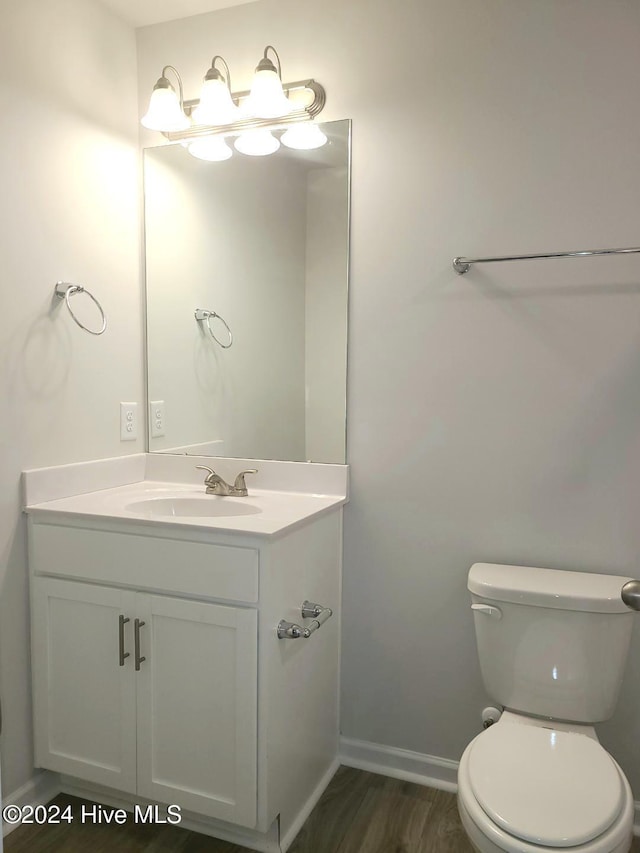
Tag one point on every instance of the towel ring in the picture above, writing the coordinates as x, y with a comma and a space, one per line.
203, 314
65, 290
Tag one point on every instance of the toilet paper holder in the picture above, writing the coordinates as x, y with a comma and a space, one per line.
291, 631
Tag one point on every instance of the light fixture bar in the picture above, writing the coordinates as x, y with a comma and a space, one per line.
305, 113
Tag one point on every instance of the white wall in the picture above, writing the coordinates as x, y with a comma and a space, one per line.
68, 210
227, 237
493, 416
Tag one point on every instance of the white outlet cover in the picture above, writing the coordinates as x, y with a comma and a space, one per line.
128, 421
156, 418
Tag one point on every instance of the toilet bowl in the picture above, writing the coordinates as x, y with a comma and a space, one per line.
552, 647
527, 785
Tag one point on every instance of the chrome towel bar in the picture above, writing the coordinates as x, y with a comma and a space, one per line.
291, 631
462, 265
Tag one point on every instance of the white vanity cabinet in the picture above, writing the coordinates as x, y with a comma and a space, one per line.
170, 716
196, 728
85, 721
158, 674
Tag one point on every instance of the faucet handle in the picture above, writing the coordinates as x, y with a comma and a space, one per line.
211, 473
240, 484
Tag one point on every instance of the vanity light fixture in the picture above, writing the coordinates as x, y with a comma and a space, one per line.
166, 108
250, 116
257, 143
216, 105
267, 98
303, 137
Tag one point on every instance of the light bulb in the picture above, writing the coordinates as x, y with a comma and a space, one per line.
165, 112
211, 148
257, 143
267, 98
216, 105
303, 137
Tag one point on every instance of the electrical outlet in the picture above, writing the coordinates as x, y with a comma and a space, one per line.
128, 421
156, 418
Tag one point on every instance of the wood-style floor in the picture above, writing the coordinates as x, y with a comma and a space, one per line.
358, 813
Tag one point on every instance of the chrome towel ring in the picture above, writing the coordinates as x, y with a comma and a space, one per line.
203, 314
65, 290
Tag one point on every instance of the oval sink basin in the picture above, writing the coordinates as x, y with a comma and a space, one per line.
205, 507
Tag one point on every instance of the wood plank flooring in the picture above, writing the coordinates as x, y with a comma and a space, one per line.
358, 813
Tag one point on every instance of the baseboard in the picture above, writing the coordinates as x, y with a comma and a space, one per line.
41, 788
287, 838
430, 770
264, 842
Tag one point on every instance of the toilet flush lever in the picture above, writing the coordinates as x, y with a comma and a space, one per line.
488, 609
630, 594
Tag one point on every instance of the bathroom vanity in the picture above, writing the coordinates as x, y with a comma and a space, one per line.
158, 673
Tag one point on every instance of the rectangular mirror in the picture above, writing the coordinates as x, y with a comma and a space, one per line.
246, 287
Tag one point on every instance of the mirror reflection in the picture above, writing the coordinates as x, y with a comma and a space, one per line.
247, 272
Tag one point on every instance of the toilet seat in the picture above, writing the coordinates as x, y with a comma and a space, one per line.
519, 774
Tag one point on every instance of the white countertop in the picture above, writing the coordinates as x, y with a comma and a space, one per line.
265, 513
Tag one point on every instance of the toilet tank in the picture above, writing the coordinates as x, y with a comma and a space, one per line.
551, 643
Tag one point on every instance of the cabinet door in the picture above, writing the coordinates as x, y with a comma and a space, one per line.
197, 707
84, 699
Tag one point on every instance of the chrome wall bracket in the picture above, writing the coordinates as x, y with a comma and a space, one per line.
291, 631
309, 610
317, 612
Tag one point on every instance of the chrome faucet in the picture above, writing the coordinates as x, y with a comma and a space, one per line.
217, 486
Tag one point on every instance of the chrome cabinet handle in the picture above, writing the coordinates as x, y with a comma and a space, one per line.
137, 623
122, 655
291, 631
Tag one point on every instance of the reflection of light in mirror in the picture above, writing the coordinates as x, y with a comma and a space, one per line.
283, 299
304, 137
257, 143
554, 739
211, 148
554, 673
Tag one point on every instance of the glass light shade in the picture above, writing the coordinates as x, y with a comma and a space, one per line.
257, 143
211, 148
303, 137
267, 98
165, 112
216, 105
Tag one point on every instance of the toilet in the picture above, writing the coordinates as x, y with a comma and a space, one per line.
552, 647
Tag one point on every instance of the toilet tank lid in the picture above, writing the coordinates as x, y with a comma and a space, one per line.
548, 587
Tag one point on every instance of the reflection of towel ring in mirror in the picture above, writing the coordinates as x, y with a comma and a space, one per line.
65, 290
203, 314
